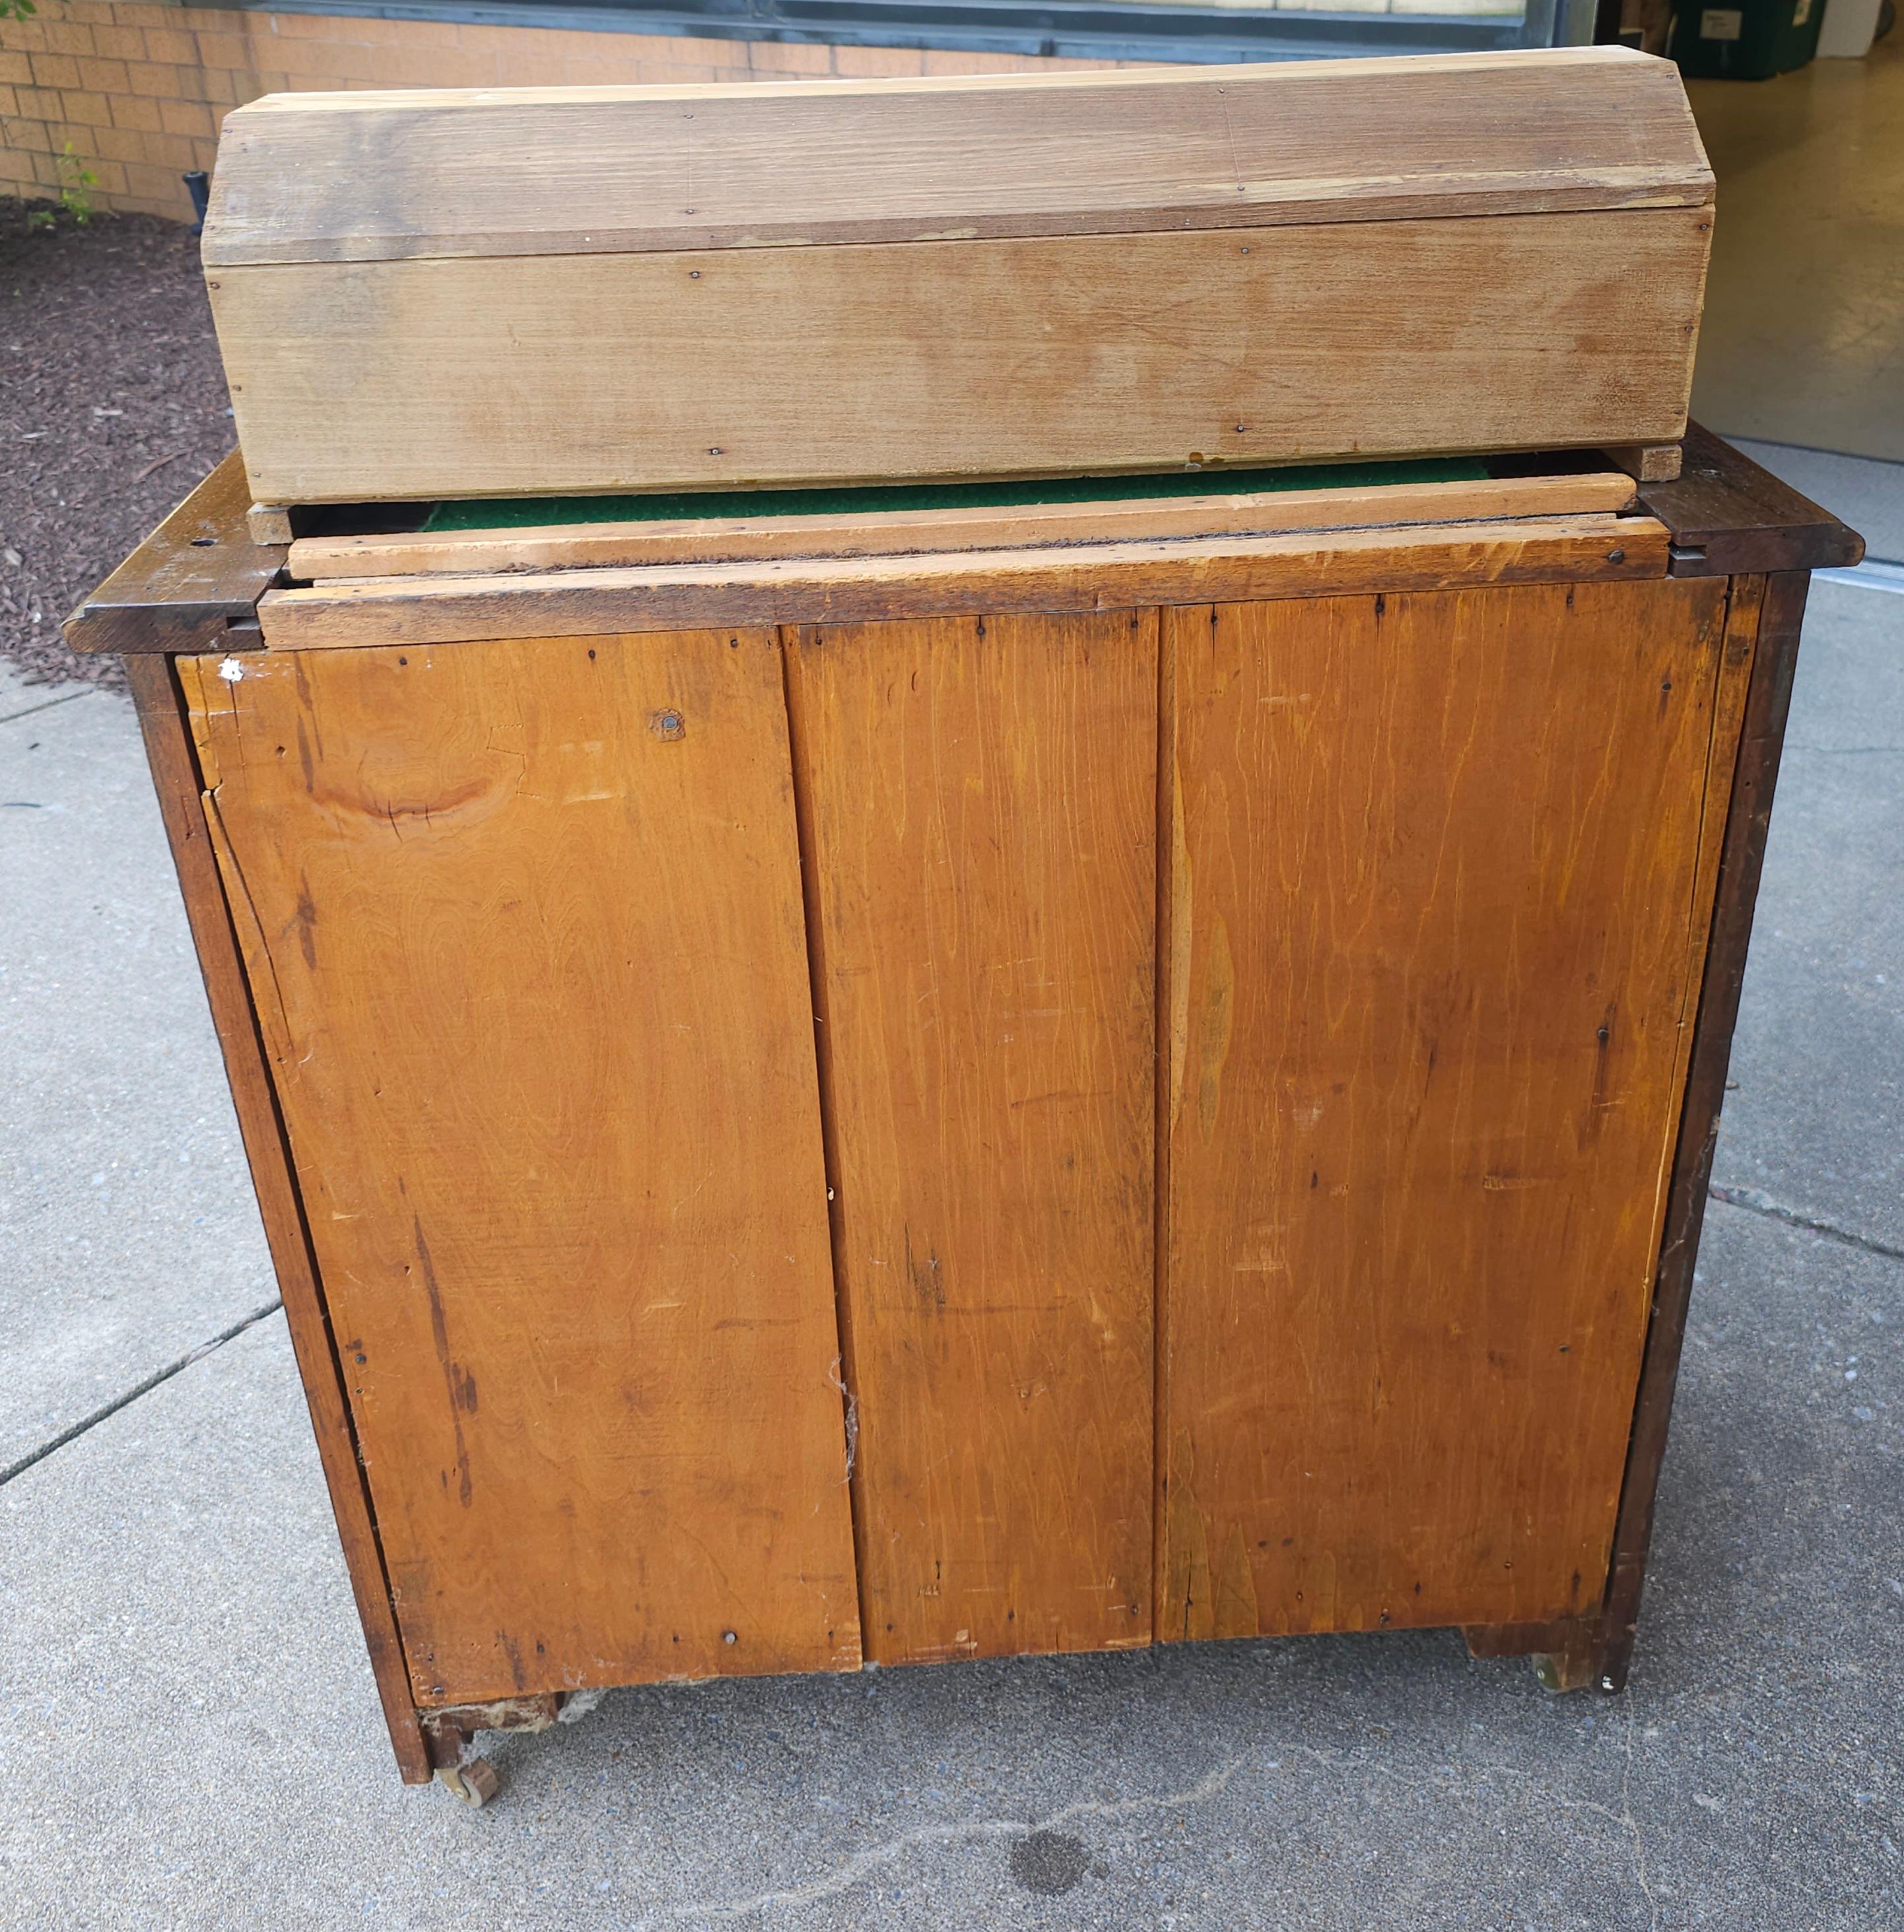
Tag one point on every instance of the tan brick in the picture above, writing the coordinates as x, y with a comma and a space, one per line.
112, 177
130, 111
435, 66
229, 51
25, 36
56, 71
508, 40
15, 69
126, 15
118, 43
186, 117
784, 57
119, 144
674, 73
88, 109
170, 151
155, 81
945, 60
104, 77
38, 103
531, 69
168, 44
221, 86
879, 63
68, 36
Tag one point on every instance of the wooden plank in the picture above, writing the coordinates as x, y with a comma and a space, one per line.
1762, 638
523, 922
194, 577
1729, 517
1432, 914
269, 523
981, 809
518, 171
176, 778
1647, 462
738, 368
900, 532
1050, 578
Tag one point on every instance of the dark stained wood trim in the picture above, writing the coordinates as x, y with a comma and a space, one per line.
1761, 737
176, 775
1728, 517
194, 577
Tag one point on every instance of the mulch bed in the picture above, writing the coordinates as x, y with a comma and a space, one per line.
112, 407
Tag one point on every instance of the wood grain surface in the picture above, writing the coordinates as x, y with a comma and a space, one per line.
1049, 577
168, 740
982, 814
730, 368
1441, 867
900, 532
523, 925
610, 169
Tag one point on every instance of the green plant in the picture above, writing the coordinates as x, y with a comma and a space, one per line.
75, 179
16, 9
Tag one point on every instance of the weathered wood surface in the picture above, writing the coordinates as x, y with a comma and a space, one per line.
1048, 578
614, 169
900, 532
1432, 949
523, 925
167, 736
1728, 516
982, 808
730, 368
198, 575
1762, 643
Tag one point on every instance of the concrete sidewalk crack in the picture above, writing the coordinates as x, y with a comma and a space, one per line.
862, 1864
132, 1394
1753, 1202
46, 704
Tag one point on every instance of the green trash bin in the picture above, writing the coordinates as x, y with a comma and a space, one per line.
1745, 39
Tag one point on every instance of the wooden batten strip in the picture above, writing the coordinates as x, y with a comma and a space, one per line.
898, 532
579, 603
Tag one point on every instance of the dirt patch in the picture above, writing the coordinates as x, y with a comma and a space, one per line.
112, 407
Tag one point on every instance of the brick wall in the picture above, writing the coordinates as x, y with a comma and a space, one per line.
138, 92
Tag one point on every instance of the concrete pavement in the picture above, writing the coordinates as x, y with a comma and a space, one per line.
188, 1732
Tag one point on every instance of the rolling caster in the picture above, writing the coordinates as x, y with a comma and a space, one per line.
473, 1783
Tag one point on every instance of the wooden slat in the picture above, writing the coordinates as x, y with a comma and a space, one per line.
731, 368
900, 532
1432, 913
1728, 516
184, 587
609, 169
1762, 640
981, 809
1051, 578
176, 778
524, 925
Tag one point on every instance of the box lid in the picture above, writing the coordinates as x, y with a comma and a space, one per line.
420, 175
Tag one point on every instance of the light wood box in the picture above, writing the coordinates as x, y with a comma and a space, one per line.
1074, 1089
538, 291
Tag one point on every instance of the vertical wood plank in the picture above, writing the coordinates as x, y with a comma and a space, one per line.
1761, 643
1433, 913
524, 923
176, 778
983, 814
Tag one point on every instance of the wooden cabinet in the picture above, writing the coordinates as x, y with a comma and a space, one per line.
1008, 1100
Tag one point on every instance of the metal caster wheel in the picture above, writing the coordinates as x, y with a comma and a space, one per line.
473, 1784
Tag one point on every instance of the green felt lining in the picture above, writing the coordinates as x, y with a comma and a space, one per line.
544, 512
